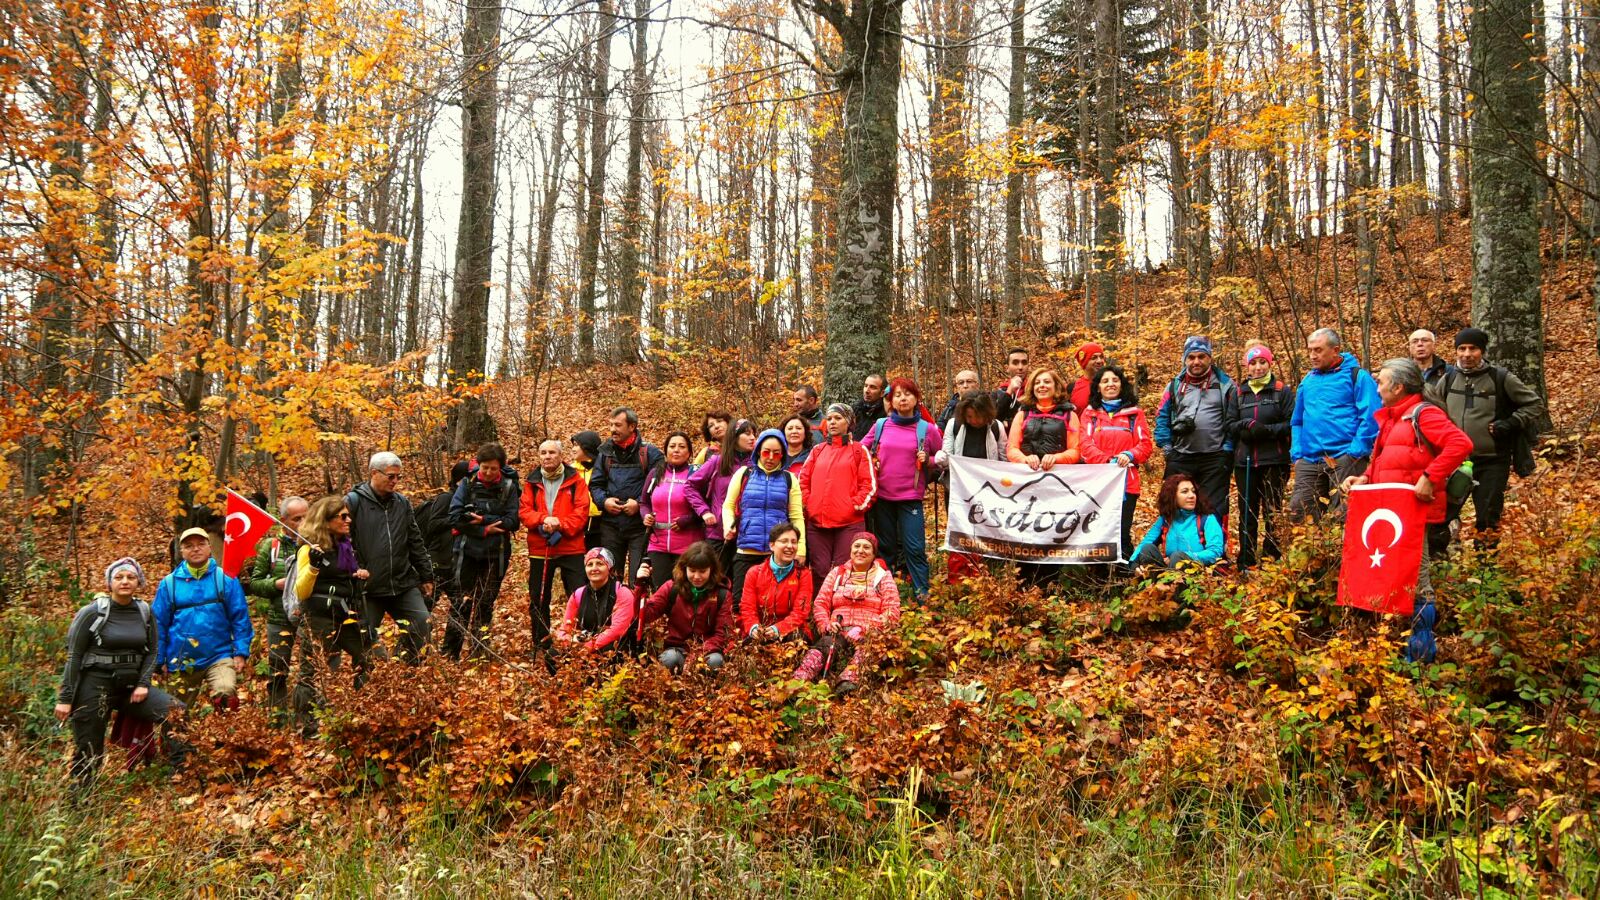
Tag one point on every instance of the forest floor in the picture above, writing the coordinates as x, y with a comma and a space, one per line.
1249, 738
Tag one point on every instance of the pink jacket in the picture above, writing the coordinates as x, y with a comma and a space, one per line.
899, 477
621, 618
871, 607
673, 501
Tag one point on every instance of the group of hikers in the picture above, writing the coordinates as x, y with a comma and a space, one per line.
793, 533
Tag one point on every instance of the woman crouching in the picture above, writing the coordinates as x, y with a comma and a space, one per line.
858, 600
697, 608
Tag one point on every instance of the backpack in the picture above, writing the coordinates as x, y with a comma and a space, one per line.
102, 611
1461, 482
290, 600
877, 435
1522, 461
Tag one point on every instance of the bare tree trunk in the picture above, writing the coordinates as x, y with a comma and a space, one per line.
1108, 147
1015, 109
469, 340
630, 274
589, 237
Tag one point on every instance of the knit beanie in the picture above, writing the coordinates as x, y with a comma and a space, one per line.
1197, 343
1086, 352
588, 442
1259, 351
843, 410
601, 553
1477, 337
127, 562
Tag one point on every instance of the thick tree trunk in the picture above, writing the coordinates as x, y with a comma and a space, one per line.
1507, 105
469, 339
1589, 120
863, 275
589, 237
1108, 146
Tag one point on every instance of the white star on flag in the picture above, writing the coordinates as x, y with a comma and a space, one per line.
1377, 558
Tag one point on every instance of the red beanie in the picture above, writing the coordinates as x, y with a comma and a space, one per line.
870, 538
1083, 353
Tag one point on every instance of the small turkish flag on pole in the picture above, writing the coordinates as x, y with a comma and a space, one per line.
238, 544
1384, 528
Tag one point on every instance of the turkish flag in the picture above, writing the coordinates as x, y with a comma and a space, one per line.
239, 544
1384, 530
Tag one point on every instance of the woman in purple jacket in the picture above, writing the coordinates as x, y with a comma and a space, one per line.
710, 482
903, 448
673, 511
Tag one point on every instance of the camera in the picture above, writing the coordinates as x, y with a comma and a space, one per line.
1183, 425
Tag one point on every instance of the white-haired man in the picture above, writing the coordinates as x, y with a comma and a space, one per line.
389, 544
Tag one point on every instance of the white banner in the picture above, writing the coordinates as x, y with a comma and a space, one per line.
1067, 515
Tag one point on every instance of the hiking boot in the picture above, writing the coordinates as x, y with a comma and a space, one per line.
844, 688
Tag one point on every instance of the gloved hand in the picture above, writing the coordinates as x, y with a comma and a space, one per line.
319, 558
554, 538
1505, 427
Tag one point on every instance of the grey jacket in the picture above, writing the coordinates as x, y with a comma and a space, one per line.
1471, 399
80, 643
388, 541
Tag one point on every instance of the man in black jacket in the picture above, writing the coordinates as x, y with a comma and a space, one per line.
483, 514
617, 487
870, 408
389, 544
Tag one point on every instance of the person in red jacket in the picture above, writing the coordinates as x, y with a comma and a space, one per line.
777, 596
600, 613
1417, 444
1113, 431
697, 607
837, 487
555, 511
1091, 358
857, 600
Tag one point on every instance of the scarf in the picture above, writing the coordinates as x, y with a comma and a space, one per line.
1257, 385
779, 573
199, 570
898, 419
1111, 406
1197, 382
347, 555
483, 480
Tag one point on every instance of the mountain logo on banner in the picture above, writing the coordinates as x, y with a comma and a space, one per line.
1044, 477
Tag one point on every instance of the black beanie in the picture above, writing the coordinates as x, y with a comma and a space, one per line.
460, 470
588, 442
1477, 337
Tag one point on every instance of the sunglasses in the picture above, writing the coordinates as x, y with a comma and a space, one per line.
772, 453
344, 516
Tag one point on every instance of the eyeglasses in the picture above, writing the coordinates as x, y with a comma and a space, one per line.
772, 453
344, 516
392, 476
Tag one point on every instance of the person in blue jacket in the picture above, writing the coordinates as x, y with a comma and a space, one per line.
1333, 427
203, 622
1185, 529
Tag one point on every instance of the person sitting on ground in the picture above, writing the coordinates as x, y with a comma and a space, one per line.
1260, 453
698, 608
1185, 529
966, 382
713, 428
1501, 414
1115, 432
264, 581
858, 600
1332, 429
1416, 444
759, 497
776, 604
798, 439
111, 654
837, 487
1197, 415
600, 614
204, 624
1091, 358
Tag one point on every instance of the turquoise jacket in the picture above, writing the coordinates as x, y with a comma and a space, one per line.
1185, 537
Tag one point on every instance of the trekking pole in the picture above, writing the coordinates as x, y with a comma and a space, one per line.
827, 664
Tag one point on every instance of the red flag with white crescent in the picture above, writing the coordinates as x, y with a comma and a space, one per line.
1384, 531
244, 527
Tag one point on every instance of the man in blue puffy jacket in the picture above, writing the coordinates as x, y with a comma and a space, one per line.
204, 625
1333, 427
